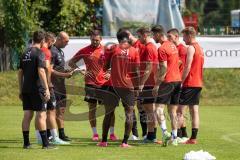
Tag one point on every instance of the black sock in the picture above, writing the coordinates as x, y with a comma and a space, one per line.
179, 133
134, 127
48, 133
44, 138
143, 122
125, 139
26, 138
61, 132
194, 133
184, 132
150, 135
155, 133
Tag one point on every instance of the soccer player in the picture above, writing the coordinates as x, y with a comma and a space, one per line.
123, 60
135, 42
173, 36
168, 85
51, 104
148, 58
93, 56
192, 79
58, 79
33, 89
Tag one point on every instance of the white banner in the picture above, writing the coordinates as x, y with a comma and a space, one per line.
220, 52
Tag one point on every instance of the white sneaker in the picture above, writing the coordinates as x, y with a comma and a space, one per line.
184, 140
58, 141
133, 138
144, 137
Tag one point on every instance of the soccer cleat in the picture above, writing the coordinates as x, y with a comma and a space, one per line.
175, 142
95, 137
144, 137
166, 138
113, 137
27, 146
125, 145
58, 141
133, 138
50, 147
65, 138
182, 140
102, 144
146, 140
191, 141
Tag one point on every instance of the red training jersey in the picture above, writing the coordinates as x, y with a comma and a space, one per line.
195, 76
182, 53
168, 52
94, 60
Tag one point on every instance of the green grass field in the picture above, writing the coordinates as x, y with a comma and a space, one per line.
219, 134
219, 129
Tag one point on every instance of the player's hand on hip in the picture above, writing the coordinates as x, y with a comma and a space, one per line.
155, 91
47, 95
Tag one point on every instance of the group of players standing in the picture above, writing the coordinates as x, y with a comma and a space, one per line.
133, 71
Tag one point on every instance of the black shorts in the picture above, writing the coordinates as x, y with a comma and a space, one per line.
34, 102
169, 93
146, 96
92, 94
111, 96
61, 99
190, 95
51, 104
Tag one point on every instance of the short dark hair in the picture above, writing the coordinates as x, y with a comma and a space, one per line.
173, 31
122, 36
95, 32
158, 29
49, 36
190, 31
38, 36
144, 30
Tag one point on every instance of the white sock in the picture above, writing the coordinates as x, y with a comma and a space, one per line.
163, 126
38, 136
174, 133
94, 129
111, 129
54, 133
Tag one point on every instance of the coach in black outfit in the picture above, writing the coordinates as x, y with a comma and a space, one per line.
58, 79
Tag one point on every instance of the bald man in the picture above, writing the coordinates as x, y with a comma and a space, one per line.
58, 79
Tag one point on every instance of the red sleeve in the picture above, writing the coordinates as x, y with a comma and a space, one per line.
108, 56
149, 52
78, 55
182, 53
162, 55
47, 54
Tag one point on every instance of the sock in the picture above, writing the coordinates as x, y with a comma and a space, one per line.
155, 133
125, 139
44, 138
174, 133
179, 133
48, 133
163, 126
143, 122
184, 132
61, 132
111, 129
194, 133
104, 138
38, 136
94, 130
150, 135
54, 133
26, 138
